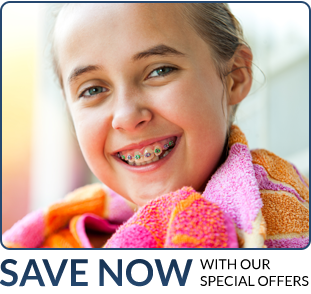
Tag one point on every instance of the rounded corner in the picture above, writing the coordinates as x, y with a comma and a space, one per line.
303, 2
309, 239
4, 5
7, 2
5, 246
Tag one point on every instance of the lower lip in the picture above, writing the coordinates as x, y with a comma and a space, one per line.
151, 166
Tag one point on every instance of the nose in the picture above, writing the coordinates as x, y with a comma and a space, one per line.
131, 114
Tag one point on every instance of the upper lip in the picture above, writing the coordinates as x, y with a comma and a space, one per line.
142, 144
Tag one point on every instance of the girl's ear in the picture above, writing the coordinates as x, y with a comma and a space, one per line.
239, 79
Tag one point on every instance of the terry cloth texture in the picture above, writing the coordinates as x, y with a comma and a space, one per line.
182, 219
255, 199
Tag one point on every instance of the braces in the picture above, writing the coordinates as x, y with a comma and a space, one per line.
157, 151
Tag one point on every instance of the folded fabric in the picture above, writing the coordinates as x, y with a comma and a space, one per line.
64, 224
182, 219
255, 199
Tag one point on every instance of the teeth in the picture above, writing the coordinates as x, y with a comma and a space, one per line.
157, 150
148, 154
161, 146
156, 158
138, 157
129, 157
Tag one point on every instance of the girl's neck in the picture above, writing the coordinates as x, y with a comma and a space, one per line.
222, 159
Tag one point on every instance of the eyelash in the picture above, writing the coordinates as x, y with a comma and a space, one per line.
148, 77
163, 75
88, 89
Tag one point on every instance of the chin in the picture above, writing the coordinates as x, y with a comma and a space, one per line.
142, 197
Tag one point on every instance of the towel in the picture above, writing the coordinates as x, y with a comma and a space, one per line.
255, 199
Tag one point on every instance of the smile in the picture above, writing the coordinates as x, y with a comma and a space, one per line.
148, 154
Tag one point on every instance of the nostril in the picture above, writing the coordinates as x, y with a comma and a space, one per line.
140, 123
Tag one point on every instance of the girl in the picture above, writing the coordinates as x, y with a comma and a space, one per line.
152, 90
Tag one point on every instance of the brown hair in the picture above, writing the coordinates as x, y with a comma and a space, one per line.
55, 11
213, 22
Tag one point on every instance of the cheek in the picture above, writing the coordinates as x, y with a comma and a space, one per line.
193, 103
196, 106
91, 132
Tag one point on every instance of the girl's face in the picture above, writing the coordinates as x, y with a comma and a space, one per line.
137, 77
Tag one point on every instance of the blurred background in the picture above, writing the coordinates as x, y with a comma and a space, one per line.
41, 160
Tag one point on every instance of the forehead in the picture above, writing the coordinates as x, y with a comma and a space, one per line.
114, 32
118, 18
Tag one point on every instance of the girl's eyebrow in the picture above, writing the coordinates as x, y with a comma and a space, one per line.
157, 50
81, 70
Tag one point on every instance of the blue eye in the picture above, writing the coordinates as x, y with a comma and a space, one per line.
94, 91
162, 71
